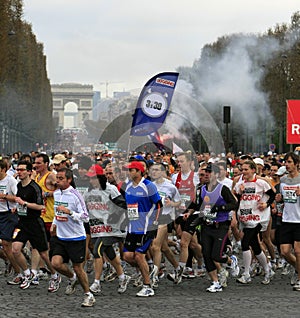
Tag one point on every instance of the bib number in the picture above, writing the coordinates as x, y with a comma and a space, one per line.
22, 210
133, 212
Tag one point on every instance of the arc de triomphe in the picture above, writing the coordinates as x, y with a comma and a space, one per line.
72, 104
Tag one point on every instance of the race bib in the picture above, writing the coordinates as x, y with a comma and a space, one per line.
60, 216
163, 196
21, 209
208, 215
289, 196
185, 199
2, 191
133, 212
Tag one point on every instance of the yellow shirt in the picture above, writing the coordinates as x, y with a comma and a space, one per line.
47, 214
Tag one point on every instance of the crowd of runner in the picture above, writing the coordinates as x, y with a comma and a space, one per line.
69, 215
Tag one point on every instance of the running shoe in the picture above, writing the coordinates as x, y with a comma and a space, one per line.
244, 279
256, 269
234, 268
286, 269
153, 274
188, 273
137, 280
259, 270
54, 284
88, 300
26, 281
17, 280
178, 275
43, 275
296, 287
111, 275
89, 266
146, 291
106, 269
95, 288
273, 264
200, 271
155, 282
123, 284
268, 277
71, 287
294, 277
35, 280
171, 277
281, 262
214, 287
161, 272
223, 274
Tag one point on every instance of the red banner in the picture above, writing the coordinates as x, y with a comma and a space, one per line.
293, 122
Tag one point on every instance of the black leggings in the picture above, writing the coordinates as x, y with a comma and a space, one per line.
213, 244
250, 238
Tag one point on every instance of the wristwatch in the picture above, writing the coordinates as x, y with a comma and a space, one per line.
71, 213
25, 204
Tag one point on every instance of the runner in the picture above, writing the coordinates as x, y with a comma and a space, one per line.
143, 207
170, 199
69, 238
255, 196
8, 219
31, 227
290, 228
214, 203
185, 181
105, 229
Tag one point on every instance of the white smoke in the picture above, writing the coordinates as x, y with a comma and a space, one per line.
234, 76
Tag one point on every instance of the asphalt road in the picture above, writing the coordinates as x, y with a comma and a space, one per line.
188, 299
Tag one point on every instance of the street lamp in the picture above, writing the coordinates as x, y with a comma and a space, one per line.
226, 121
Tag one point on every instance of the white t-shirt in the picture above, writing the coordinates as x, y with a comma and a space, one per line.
248, 213
291, 209
8, 185
167, 189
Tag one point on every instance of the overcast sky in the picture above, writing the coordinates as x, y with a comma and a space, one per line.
125, 42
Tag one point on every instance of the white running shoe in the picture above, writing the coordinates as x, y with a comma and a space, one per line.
54, 284
146, 291
268, 277
214, 287
296, 287
95, 288
294, 277
153, 274
88, 300
71, 287
123, 284
178, 275
234, 268
223, 274
244, 279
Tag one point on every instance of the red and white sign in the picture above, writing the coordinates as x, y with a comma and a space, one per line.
293, 122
